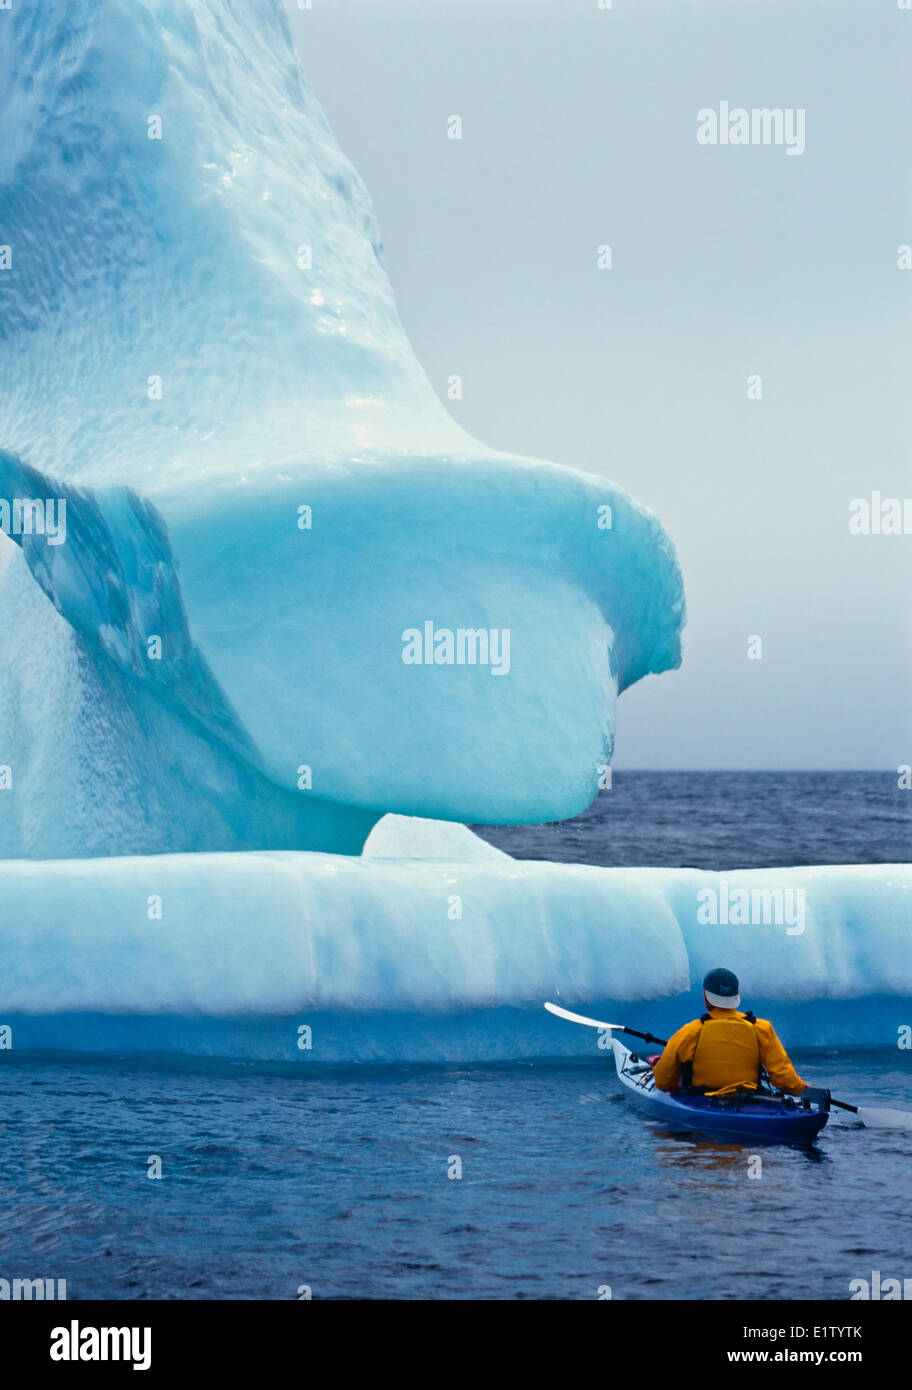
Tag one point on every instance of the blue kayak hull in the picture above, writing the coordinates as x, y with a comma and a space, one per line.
758, 1119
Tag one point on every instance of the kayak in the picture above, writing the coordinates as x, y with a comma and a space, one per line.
757, 1115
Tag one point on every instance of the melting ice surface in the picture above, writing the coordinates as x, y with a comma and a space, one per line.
403, 957
204, 707
203, 358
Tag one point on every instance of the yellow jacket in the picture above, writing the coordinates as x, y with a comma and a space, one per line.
681, 1048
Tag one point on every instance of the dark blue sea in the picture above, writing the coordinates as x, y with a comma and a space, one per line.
517, 1181
728, 820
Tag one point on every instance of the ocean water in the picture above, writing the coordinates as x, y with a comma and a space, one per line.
274, 1178
279, 1178
728, 820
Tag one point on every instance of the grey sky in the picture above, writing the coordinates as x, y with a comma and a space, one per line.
579, 129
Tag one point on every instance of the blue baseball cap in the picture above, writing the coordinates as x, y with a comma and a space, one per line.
722, 989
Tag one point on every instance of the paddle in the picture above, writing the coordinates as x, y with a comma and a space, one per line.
872, 1117
877, 1117
594, 1023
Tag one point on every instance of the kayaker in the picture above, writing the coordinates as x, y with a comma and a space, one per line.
724, 1050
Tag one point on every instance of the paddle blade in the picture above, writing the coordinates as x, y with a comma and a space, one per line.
884, 1119
581, 1018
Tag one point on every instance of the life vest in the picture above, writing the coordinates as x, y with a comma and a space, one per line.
727, 1054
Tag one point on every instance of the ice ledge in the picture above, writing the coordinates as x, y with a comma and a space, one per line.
386, 958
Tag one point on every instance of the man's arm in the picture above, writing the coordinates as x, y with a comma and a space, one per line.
776, 1060
667, 1070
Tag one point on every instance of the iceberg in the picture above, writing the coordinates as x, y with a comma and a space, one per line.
263, 496
272, 626
393, 959
410, 837
97, 765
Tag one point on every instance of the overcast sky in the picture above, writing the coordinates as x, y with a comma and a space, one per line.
580, 130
